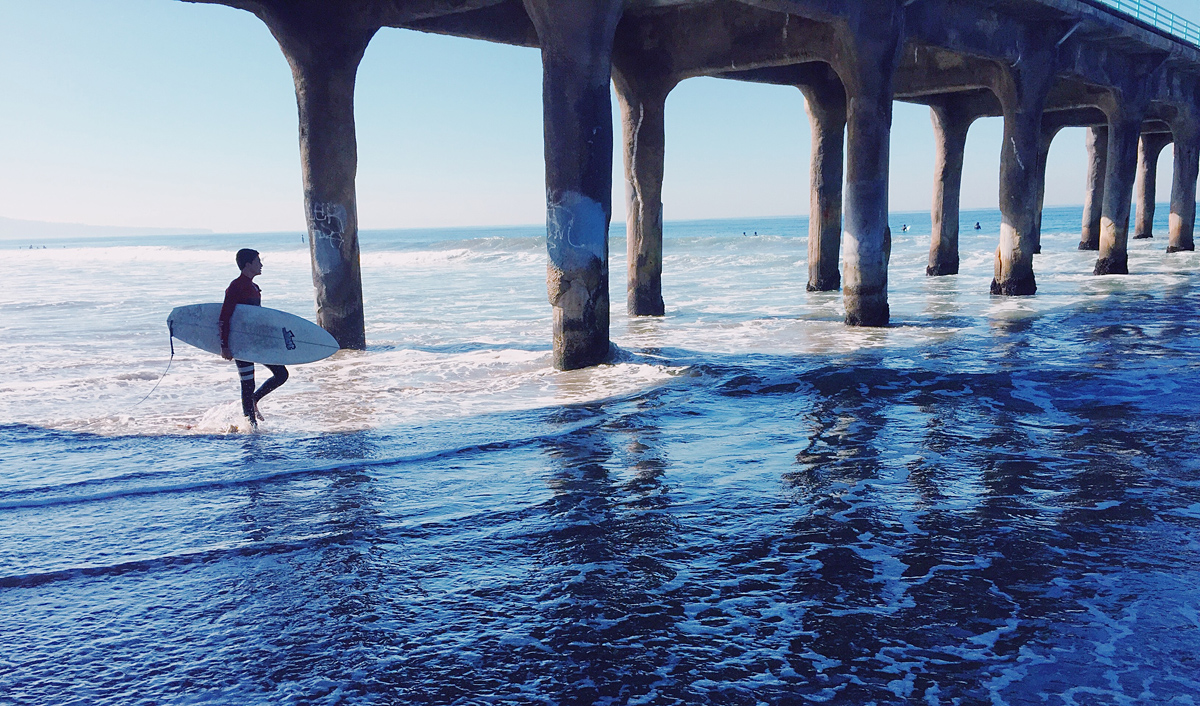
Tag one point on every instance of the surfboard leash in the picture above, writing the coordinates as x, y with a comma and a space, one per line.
171, 338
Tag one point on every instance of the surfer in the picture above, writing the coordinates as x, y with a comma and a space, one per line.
243, 290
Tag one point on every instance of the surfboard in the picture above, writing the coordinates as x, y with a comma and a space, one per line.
256, 333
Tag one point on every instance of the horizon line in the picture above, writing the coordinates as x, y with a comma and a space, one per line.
150, 231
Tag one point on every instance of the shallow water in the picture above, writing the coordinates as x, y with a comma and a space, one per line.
991, 501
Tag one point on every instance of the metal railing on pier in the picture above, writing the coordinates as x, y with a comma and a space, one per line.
1157, 17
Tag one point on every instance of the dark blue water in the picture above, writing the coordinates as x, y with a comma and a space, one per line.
1004, 511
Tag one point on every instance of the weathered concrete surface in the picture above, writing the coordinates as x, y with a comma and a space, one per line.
1123, 131
1186, 134
825, 98
1125, 111
952, 116
643, 97
1022, 89
1149, 147
1093, 200
950, 135
576, 37
869, 47
324, 44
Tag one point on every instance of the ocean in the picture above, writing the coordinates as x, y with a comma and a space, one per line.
991, 501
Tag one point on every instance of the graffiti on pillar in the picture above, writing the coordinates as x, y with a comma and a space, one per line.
576, 231
327, 224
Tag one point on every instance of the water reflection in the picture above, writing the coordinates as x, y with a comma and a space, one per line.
609, 535
993, 519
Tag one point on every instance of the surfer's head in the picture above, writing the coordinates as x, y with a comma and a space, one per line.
245, 256
249, 263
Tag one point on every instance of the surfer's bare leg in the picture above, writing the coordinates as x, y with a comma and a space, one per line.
246, 373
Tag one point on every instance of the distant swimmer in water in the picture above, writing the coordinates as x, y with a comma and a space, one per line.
243, 290
904, 228
977, 226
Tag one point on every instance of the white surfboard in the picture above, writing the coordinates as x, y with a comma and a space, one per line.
256, 334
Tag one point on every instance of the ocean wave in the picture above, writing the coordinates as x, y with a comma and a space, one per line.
49, 496
174, 561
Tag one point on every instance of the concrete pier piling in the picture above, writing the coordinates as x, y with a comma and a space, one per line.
825, 98
324, 44
1124, 130
1186, 135
643, 97
576, 39
1022, 90
1048, 135
1149, 147
1052, 123
867, 69
1093, 199
952, 119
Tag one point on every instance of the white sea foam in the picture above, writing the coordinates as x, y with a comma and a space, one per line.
461, 327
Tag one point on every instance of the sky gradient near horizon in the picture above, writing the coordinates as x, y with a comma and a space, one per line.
164, 113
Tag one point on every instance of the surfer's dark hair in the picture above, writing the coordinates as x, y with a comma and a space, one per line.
245, 256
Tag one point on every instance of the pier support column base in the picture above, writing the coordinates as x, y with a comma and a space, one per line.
1024, 286
866, 308
1112, 266
824, 285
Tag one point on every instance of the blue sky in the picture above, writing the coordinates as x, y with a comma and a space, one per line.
172, 114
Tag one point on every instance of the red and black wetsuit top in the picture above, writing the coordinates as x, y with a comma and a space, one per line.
240, 291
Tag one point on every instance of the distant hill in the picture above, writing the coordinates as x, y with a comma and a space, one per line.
14, 228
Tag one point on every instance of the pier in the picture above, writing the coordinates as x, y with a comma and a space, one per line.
1125, 70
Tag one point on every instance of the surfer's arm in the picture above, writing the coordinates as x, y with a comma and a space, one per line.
223, 323
240, 291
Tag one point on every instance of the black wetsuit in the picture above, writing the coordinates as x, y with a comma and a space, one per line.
244, 291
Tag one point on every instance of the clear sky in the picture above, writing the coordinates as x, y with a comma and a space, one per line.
171, 114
